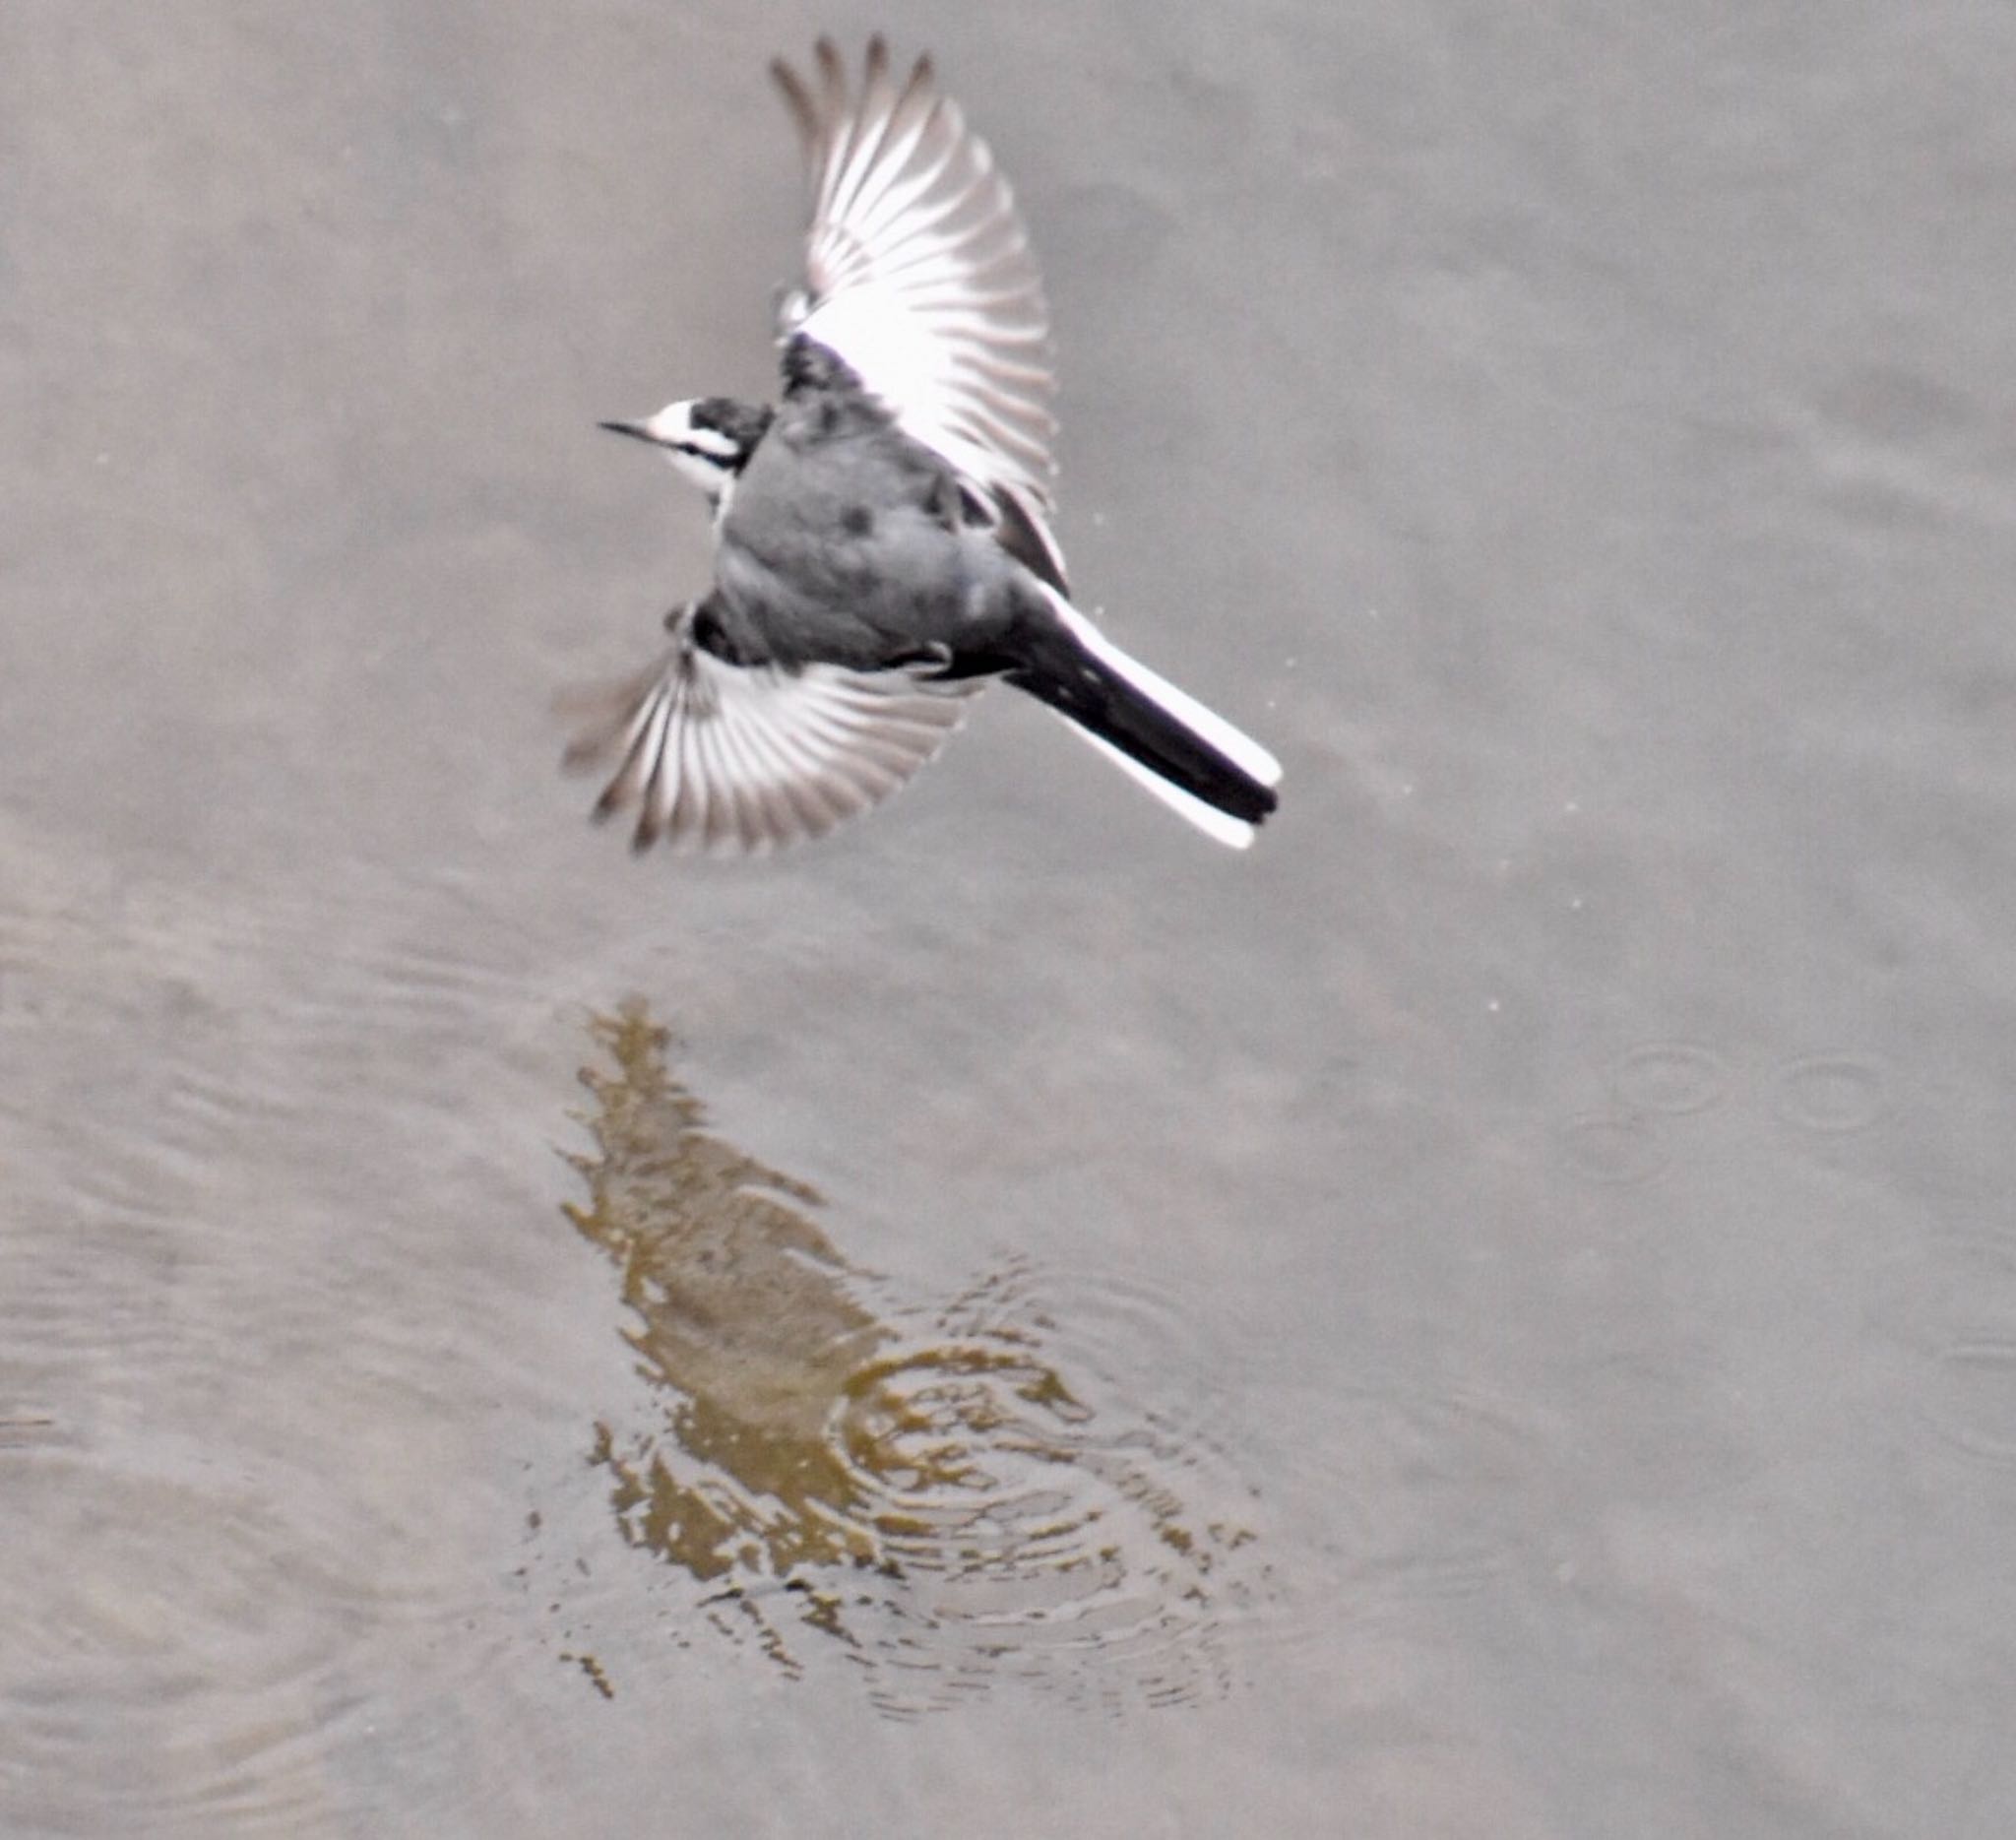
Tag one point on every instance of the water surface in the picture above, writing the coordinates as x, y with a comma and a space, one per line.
1494, 1314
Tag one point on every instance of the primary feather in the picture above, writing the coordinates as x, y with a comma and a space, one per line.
919, 278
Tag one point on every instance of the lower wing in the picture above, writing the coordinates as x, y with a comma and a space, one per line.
739, 759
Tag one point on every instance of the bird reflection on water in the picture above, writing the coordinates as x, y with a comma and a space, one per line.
924, 1487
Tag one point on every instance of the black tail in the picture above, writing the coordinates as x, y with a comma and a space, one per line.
1195, 761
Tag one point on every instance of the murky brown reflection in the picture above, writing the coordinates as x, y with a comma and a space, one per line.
926, 1487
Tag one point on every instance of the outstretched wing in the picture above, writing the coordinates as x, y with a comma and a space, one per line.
918, 276
740, 759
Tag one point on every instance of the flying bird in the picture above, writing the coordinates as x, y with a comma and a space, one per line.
882, 541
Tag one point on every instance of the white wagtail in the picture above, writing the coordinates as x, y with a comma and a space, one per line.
882, 541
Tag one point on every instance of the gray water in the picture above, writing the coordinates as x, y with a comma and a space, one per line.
1493, 1315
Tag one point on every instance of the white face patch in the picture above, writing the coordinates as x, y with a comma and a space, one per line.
710, 442
709, 474
705, 456
674, 426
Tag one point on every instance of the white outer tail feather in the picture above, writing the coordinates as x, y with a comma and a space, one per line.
1219, 826
1207, 725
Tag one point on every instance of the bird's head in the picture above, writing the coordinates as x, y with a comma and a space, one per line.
709, 440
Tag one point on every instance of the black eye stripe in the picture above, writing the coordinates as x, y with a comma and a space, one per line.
733, 463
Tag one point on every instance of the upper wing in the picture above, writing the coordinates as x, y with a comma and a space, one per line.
920, 277
741, 760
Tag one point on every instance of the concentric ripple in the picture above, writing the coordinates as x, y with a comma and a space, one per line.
958, 1496
1965, 1331
1832, 1093
1670, 1077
